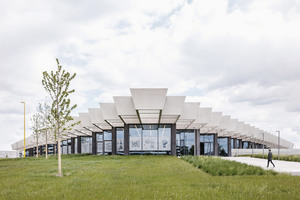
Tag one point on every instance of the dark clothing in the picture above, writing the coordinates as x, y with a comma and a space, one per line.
270, 159
270, 156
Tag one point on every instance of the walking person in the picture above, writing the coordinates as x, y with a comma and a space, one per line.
270, 158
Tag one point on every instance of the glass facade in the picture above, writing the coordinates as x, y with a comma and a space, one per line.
207, 144
150, 139
50, 149
86, 144
185, 142
223, 146
64, 147
245, 145
104, 143
99, 143
238, 144
107, 142
120, 141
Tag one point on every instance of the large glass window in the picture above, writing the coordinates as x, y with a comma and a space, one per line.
107, 142
150, 139
120, 140
86, 144
207, 144
223, 146
64, 147
186, 143
135, 138
245, 145
99, 141
50, 149
104, 143
164, 138
238, 144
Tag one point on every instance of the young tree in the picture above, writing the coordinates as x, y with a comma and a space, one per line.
44, 111
57, 85
36, 127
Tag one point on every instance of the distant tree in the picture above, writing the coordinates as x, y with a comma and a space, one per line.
57, 85
46, 126
36, 128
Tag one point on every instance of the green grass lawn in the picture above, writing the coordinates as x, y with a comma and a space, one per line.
133, 177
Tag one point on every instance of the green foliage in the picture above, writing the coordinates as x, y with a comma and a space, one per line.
36, 120
219, 167
133, 177
292, 158
57, 85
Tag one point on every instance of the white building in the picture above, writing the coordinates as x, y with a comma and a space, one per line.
150, 122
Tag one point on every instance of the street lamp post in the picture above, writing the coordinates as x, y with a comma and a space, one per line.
252, 144
24, 127
278, 142
263, 144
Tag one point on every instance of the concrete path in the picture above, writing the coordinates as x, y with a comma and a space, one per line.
292, 168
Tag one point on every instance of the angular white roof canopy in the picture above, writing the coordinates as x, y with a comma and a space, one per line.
153, 106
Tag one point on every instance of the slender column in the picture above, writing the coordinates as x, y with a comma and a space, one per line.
126, 139
94, 143
197, 142
72, 145
216, 145
114, 141
78, 144
229, 146
173, 139
41, 150
31, 152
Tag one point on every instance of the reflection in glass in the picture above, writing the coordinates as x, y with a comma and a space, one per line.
238, 144
207, 144
86, 144
135, 137
245, 145
99, 141
107, 135
150, 137
223, 146
107, 146
164, 138
187, 142
64, 147
120, 140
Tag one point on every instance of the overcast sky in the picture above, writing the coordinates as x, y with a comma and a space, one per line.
240, 57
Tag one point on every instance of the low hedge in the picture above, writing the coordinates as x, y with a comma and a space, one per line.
293, 158
219, 167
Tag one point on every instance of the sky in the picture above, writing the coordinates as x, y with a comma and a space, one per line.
239, 57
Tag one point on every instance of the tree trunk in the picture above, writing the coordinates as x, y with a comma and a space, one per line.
58, 135
37, 147
59, 158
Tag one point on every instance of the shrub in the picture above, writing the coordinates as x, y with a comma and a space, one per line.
219, 167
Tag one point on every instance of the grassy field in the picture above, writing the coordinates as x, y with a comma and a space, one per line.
219, 167
133, 177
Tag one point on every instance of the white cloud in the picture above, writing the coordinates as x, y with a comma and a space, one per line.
241, 58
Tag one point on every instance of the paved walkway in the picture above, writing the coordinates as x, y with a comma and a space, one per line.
292, 168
